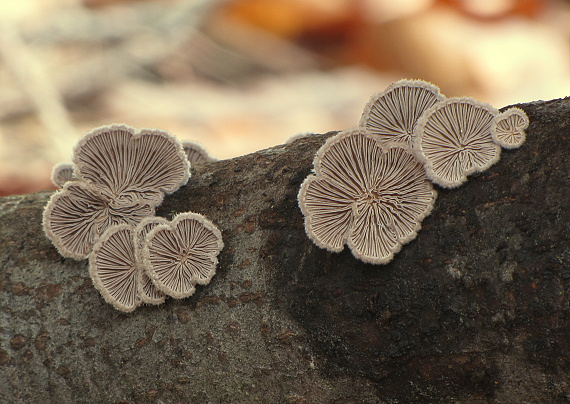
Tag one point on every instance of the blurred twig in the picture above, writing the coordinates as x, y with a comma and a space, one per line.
39, 88
119, 47
131, 40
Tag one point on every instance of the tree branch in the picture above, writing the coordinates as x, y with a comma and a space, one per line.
475, 308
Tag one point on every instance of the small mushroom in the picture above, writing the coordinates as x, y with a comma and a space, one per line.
77, 215
453, 139
113, 269
508, 128
130, 166
62, 173
148, 292
365, 193
196, 153
182, 253
393, 113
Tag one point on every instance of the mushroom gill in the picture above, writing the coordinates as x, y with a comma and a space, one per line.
113, 269
148, 292
131, 165
453, 139
367, 194
77, 215
195, 153
508, 128
393, 113
180, 254
121, 176
62, 173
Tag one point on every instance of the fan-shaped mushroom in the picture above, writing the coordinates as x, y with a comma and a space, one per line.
508, 128
113, 269
148, 292
121, 176
77, 215
365, 193
453, 139
393, 113
130, 166
181, 254
196, 153
62, 173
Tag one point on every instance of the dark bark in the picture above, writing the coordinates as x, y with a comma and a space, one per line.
475, 308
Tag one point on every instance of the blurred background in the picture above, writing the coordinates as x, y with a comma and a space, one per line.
241, 75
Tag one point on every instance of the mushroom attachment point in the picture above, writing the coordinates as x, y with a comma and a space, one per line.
113, 269
508, 128
62, 173
148, 292
182, 253
365, 193
77, 215
393, 113
130, 165
196, 153
453, 139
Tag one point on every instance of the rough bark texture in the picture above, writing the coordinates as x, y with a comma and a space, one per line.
476, 308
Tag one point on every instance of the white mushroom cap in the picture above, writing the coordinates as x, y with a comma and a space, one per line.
181, 254
77, 215
148, 292
367, 194
113, 270
393, 113
453, 139
196, 153
508, 128
130, 166
62, 173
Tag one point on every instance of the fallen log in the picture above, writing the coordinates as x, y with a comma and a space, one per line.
477, 307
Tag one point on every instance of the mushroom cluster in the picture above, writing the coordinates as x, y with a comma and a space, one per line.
371, 186
131, 265
120, 176
105, 209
